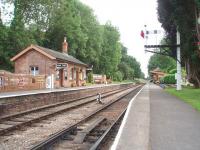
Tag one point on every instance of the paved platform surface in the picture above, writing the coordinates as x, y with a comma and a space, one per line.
134, 130
170, 124
174, 124
32, 92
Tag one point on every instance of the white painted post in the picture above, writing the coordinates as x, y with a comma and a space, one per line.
178, 80
52, 81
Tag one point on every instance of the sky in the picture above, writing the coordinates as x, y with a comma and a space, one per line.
130, 17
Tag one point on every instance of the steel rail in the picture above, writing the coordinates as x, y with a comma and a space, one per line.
49, 106
6, 130
100, 141
55, 137
105, 135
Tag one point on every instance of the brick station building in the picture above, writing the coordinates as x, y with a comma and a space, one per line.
156, 74
64, 70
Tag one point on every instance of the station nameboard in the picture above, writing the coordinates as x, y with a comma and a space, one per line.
61, 65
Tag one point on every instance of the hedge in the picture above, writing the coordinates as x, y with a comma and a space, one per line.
169, 79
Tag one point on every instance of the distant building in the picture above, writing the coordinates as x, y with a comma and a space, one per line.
64, 69
156, 74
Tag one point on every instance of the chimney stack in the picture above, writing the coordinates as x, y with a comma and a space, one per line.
65, 46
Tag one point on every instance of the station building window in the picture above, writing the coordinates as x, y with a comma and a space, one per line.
34, 70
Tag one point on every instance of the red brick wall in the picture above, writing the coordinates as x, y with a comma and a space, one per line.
46, 67
34, 58
22, 103
69, 82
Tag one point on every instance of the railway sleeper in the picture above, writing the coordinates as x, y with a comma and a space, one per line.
81, 135
70, 134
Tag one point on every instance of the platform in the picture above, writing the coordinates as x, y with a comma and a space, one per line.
32, 92
155, 120
15, 102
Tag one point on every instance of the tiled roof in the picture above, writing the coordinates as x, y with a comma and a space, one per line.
59, 55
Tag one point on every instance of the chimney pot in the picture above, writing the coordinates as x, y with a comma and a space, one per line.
65, 46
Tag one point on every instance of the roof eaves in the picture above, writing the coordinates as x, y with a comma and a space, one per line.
30, 48
82, 64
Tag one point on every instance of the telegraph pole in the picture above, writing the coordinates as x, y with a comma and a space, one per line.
178, 75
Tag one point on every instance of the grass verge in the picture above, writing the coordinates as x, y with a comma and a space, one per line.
188, 95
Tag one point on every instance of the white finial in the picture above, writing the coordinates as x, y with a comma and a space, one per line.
65, 39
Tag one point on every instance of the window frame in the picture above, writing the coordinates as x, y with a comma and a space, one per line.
34, 70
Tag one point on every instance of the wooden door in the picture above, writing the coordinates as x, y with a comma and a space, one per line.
61, 78
77, 78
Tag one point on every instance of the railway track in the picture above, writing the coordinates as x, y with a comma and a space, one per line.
19, 120
92, 130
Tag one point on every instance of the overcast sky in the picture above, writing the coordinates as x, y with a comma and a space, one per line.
130, 17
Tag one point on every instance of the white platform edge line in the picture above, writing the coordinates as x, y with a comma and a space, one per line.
116, 141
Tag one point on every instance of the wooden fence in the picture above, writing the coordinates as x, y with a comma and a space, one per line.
17, 82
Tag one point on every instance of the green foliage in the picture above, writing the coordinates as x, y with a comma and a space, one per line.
183, 15
162, 80
45, 22
117, 76
173, 71
142, 76
90, 77
165, 63
198, 3
126, 70
169, 79
4, 55
111, 50
129, 66
188, 95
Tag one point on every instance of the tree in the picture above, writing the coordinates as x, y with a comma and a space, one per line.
93, 34
126, 70
19, 36
183, 15
129, 66
45, 22
4, 54
165, 63
83, 31
111, 50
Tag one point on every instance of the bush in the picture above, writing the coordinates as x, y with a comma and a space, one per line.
136, 81
117, 76
90, 77
162, 80
173, 71
169, 79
